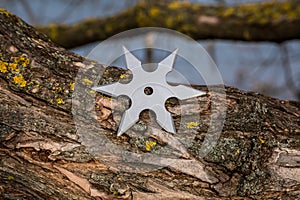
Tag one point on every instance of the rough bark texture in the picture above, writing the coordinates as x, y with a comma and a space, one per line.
43, 157
271, 21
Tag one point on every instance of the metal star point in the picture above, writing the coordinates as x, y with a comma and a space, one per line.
155, 101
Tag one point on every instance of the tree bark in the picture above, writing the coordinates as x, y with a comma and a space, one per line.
270, 21
43, 156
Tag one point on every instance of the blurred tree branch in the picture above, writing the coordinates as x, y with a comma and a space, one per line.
270, 21
288, 74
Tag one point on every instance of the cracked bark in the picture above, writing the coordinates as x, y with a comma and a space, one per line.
270, 21
44, 157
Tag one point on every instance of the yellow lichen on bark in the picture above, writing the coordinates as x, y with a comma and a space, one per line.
72, 86
13, 67
3, 67
19, 80
22, 60
5, 12
59, 101
149, 145
154, 12
86, 81
190, 125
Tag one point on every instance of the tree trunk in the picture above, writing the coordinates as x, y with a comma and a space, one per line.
270, 21
43, 156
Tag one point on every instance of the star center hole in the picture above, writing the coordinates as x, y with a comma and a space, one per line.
148, 90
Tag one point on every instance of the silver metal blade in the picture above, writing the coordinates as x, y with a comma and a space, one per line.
183, 92
129, 118
109, 89
131, 61
164, 118
156, 101
169, 61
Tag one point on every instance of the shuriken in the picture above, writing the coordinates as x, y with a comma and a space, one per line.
140, 101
